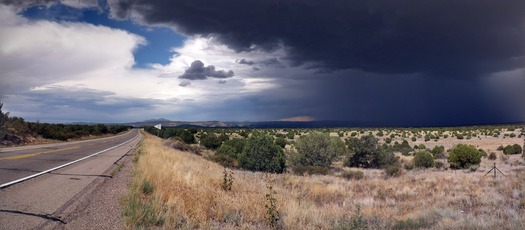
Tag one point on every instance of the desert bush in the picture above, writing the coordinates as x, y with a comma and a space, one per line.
463, 156
388, 140
317, 149
178, 144
409, 166
236, 143
483, 153
500, 148
210, 141
512, 149
414, 139
393, 170
492, 156
423, 159
280, 141
404, 148
512, 135
272, 215
227, 180
147, 187
439, 164
368, 154
353, 175
438, 152
261, 154
226, 156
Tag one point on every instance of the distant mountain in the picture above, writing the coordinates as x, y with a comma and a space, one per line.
247, 124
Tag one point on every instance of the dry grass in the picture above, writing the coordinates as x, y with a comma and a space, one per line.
187, 194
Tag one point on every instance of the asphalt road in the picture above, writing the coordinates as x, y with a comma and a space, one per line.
17, 163
33, 203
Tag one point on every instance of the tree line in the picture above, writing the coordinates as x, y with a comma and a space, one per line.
15, 130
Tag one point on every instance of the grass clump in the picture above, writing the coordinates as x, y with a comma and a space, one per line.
146, 187
353, 175
310, 170
423, 159
355, 222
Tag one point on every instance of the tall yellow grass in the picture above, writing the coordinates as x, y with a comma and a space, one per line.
187, 194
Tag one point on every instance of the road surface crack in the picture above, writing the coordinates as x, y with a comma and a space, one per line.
44, 216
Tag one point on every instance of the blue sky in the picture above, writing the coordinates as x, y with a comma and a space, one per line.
122, 61
160, 39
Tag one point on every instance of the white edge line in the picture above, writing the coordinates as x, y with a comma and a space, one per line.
64, 165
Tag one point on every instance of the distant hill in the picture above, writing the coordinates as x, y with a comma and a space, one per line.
247, 124
270, 124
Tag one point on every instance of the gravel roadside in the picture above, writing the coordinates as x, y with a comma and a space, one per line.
98, 206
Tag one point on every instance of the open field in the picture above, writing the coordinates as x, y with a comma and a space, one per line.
175, 189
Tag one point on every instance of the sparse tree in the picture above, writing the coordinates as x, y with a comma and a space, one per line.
423, 159
368, 154
261, 154
3, 121
463, 156
318, 149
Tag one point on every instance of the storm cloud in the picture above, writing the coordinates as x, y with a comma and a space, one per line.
460, 39
197, 71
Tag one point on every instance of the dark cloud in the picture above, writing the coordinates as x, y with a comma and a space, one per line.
21, 5
197, 71
222, 81
69, 104
185, 83
245, 62
452, 38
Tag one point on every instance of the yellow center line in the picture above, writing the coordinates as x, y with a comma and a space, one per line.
35, 154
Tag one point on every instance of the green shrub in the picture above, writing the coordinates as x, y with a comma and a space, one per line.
404, 148
317, 149
409, 166
280, 141
261, 154
353, 175
146, 187
393, 170
226, 156
492, 156
439, 164
211, 141
237, 143
438, 152
368, 154
512, 149
463, 156
423, 159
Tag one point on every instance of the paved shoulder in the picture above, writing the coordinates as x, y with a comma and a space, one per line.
35, 203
